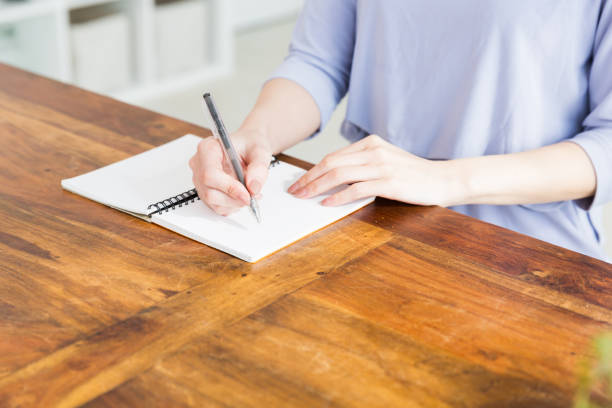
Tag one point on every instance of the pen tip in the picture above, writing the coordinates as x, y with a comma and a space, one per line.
256, 210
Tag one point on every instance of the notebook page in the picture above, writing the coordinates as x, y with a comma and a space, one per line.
286, 219
134, 183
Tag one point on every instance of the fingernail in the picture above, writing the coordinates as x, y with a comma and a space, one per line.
255, 187
301, 193
292, 188
331, 201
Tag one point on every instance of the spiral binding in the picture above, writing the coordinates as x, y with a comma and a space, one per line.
185, 198
171, 203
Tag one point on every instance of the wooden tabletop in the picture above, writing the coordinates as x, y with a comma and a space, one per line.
395, 305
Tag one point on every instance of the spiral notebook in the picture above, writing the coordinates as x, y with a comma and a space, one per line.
157, 186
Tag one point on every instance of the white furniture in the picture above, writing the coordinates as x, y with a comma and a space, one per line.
182, 43
252, 13
167, 49
108, 65
43, 35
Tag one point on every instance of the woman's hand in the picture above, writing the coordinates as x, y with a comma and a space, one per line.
213, 176
376, 168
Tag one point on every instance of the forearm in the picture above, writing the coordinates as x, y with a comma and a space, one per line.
558, 172
284, 114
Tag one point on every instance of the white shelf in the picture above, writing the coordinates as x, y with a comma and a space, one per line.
29, 37
249, 13
139, 94
11, 12
76, 4
43, 43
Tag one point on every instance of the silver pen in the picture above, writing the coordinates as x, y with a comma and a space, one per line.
229, 151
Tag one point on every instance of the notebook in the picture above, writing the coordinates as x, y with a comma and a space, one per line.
157, 186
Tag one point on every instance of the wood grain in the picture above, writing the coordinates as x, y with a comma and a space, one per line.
394, 305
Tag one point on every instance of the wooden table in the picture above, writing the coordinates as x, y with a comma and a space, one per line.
394, 305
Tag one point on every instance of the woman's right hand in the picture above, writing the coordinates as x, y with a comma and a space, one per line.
214, 179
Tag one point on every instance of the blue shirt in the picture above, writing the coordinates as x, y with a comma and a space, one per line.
451, 79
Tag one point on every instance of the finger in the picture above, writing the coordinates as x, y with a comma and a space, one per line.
216, 198
364, 144
206, 163
217, 179
340, 176
354, 192
258, 162
367, 143
330, 162
224, 211
210, 154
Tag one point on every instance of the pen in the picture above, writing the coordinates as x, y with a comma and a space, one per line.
228, 149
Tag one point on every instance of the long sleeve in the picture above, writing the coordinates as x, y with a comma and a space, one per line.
448, 79
321, 52
596, 139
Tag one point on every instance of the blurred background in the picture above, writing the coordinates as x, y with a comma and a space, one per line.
163, 54
160, 54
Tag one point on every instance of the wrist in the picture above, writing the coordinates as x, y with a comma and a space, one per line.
256, 130
458, 182
250, 135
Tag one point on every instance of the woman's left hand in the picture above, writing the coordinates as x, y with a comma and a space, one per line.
374, 167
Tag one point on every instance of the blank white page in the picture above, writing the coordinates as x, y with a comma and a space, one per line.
134, 183
286, 219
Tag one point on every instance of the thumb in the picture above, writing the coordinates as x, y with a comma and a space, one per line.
257, 161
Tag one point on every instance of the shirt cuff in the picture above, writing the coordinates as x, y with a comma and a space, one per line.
597, 143
315, 81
